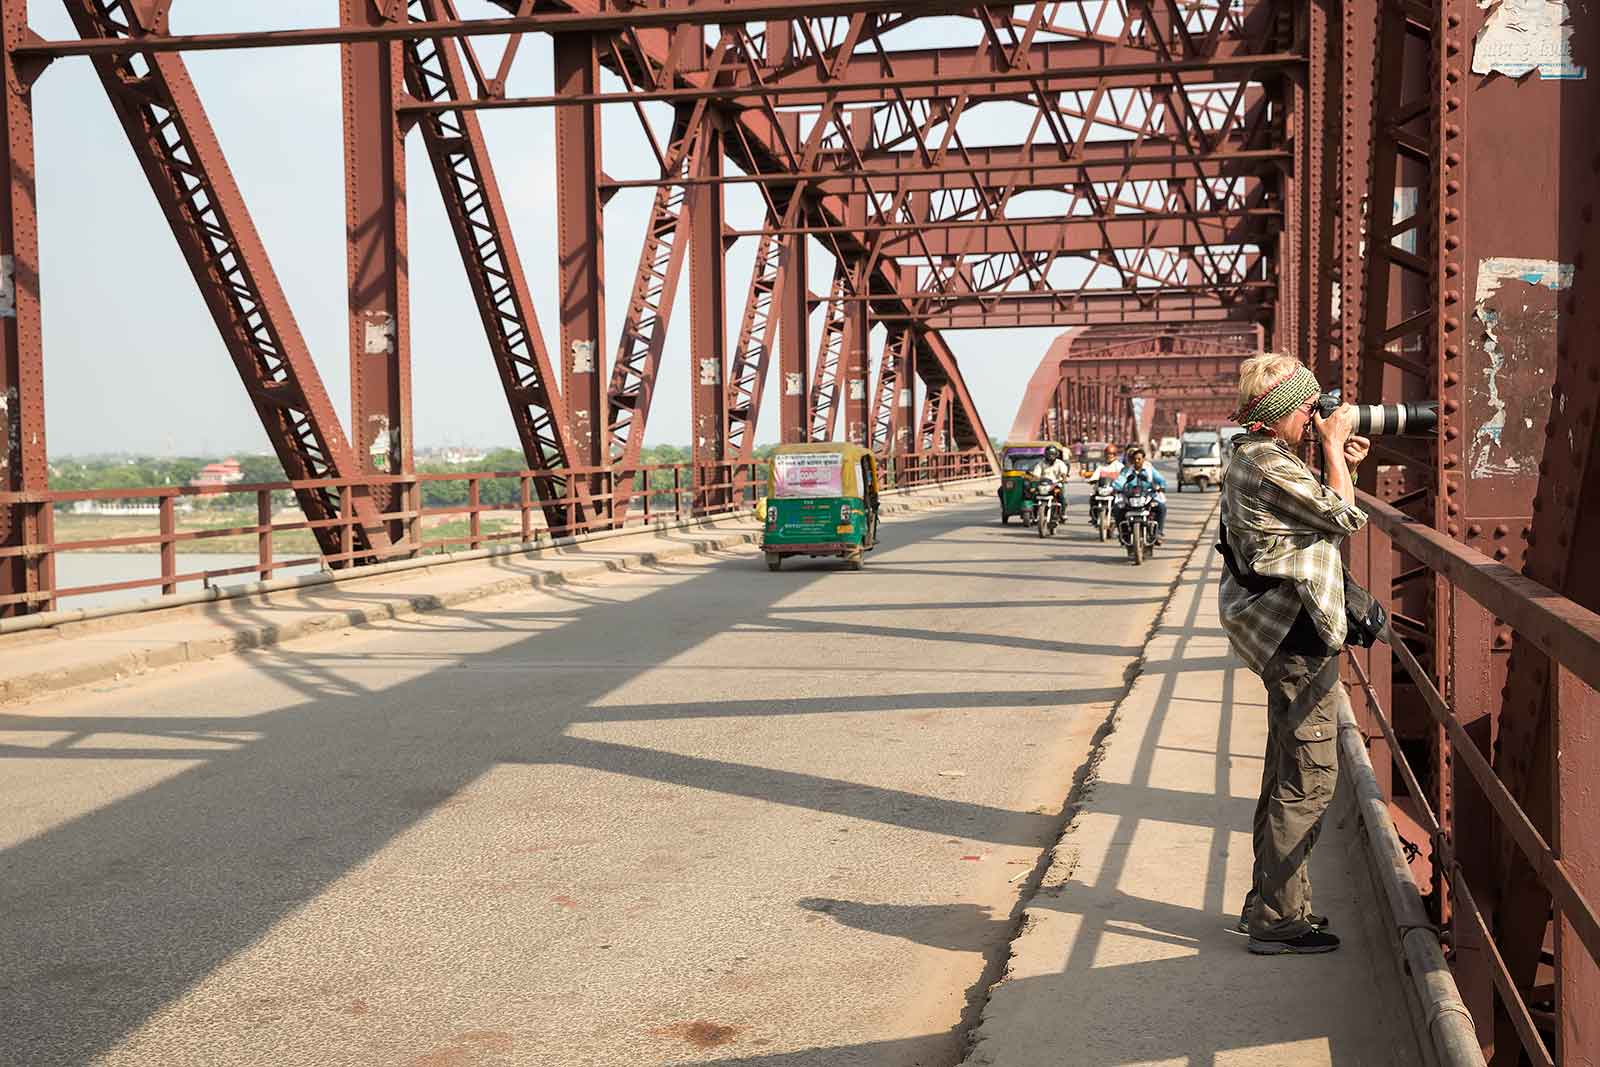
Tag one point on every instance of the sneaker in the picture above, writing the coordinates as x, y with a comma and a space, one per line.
1308, 943
1320, 922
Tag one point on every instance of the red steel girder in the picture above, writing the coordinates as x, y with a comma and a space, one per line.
582, 259
375, 245
172, 139
477, 214
24, 467
826, 372
655, 288
794, 349
708, 295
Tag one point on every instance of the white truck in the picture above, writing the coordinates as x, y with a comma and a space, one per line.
1200, 459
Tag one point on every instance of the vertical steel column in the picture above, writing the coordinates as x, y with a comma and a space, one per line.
23, 466
1317, 189
580, 231
794, 343
853, 370
905, 394
708, 342
375, 251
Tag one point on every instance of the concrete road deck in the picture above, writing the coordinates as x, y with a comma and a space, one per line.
695, 812
1128, 953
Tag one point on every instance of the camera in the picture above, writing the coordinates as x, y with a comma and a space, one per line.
1386, 419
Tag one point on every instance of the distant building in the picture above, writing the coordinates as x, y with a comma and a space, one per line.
459, 456
225, 473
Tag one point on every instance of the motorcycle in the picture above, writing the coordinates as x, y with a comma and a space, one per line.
1100, 508
1136, 527
1046, 507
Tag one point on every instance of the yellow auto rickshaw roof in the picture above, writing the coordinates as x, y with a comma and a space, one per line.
1009, 445
851, 453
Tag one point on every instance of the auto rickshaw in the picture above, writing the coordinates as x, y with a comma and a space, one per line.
822, 500
1018, 461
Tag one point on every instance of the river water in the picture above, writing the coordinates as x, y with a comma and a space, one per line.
102, 568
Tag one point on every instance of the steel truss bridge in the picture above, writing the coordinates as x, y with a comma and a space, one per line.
1395, 191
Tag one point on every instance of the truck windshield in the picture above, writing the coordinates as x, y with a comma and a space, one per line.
1199, 450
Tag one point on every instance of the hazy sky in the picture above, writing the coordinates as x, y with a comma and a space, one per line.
132, 359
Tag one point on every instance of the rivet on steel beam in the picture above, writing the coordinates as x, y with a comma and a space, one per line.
1452, 509
1500, 553
1451, 214
1450, 406
1452, 297
1452, 242
1453, 102
1452, 529
1453, 21
1501, 530
1451, 378
1452, 269
1452, 160
1451, 325
1473, 530
1452, 488
1449, 461
1451, 434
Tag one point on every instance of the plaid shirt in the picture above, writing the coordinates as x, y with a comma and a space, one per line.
1282, 523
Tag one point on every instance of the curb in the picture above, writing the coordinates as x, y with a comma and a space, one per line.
29, 686
1060, 859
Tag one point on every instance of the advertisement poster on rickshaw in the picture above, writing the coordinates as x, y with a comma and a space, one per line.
808, 474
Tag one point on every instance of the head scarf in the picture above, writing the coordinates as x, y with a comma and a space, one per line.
1280, 398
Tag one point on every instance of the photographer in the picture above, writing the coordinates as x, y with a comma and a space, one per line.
1282, 607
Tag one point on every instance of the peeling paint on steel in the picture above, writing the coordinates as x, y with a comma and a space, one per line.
1521, 36
710, 371
8, 287
905, 398
1514, 352
385, 441
10, 429
791, 383
583, 357
858, 389
378, 334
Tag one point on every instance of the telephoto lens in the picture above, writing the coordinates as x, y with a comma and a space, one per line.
1388, 420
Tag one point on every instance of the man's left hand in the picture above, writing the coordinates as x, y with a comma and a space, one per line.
1356, 449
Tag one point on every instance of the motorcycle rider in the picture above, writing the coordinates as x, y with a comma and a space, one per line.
1110, 469
1141, 473
1057, 470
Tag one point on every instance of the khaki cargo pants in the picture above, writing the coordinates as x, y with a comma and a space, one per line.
1304, 699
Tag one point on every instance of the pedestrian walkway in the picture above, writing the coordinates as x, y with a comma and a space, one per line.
1128, 952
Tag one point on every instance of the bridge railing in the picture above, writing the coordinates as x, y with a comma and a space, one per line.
582, 497
1569, 634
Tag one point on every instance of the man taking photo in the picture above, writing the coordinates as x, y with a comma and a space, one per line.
1282, 607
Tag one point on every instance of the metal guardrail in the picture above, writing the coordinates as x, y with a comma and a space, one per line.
720, 488
1570, 635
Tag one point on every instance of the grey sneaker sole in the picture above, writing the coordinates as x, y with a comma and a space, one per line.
1284, 948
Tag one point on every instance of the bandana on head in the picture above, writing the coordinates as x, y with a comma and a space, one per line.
1283, 396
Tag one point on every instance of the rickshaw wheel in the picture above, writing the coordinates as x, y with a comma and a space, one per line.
774, 561
854, 561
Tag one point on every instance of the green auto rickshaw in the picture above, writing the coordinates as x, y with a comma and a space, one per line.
1018, 462
822, 500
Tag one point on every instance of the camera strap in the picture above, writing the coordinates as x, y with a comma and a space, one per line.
1250, 580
